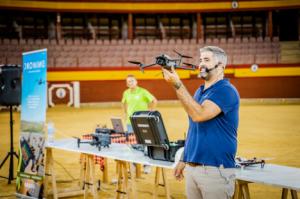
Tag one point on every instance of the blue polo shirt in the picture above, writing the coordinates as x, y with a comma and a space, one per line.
214, 142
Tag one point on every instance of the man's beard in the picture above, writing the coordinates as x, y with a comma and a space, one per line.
205, 73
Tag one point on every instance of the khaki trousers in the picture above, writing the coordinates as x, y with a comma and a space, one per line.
206, 182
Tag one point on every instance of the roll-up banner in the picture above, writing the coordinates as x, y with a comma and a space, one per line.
33, 115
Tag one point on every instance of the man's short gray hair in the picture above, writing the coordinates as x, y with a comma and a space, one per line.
218, 53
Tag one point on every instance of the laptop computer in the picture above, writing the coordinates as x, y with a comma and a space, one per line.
117, 124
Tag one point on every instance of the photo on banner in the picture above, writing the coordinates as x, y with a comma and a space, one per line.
31, 167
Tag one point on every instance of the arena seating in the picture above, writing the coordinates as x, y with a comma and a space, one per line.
114, 53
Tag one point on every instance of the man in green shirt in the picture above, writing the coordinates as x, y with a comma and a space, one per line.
135, 99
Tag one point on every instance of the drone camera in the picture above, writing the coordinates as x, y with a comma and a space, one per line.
165, 62
161, 60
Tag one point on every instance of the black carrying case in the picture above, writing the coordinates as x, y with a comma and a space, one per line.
149, 129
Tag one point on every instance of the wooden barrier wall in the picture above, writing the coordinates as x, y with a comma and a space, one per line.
251, 87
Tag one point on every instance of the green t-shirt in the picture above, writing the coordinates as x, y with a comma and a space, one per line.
137, 100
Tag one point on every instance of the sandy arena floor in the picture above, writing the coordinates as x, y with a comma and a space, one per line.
267, 131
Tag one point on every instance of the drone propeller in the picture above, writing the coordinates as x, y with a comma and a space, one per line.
135, 62
145, 66
181, 55
191, 65
267, 158
188, 64
76, 138
185, 68
175, 59
79, 140
142, 66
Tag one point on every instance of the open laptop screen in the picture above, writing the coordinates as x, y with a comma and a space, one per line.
117, 124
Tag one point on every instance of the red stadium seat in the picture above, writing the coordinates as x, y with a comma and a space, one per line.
150, 42
265, 50
259, 39
209, 42
275, 39
99, 42
252, 40
22, 42
84, 42
143, 42
66, 62
164, 41
265, 59
200, 42
245, 40
172, 41
106, 42
230, 40
77, 41
121, 41
157, 42
14, 60
61, 42
6, 41
53, 42
113, 42
186, 41
2, 60
30, 41
223, 40
136, 41
111, 61
244, 59
88, 62
14, 42
215, 41
91, 42
69, 42
193, 41
237, 40
51, 62
127, 41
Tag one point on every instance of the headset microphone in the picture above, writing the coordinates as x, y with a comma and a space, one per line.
213, 68
204, 71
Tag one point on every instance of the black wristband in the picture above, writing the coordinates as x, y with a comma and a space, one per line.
177, 85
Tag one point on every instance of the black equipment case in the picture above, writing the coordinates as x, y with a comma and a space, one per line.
149, 129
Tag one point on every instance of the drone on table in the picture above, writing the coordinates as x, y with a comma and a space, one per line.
242, 162
167, 62
101, 138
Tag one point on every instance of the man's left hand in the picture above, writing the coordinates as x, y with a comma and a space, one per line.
171, 76
178, 171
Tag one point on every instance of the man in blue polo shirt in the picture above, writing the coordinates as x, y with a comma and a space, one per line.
211, 144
